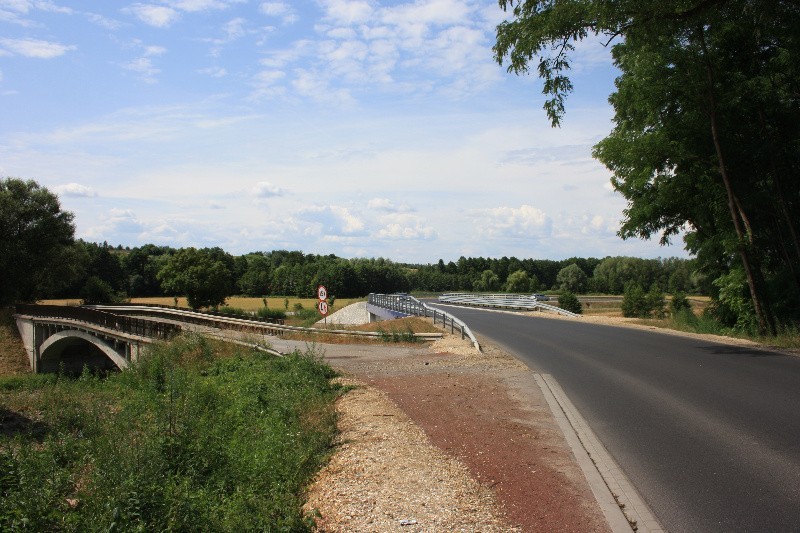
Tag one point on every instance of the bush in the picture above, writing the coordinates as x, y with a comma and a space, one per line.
679, 302
569, 302
634, 301
214, 444
98, 291
656, 304
266, 312
638, 304
233, 311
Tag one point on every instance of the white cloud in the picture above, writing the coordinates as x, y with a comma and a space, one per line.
235, 28
265, 189
405, 227
329, 221
214, 72
280, 10
150, 51
36, 48
104, 22
387, 206
75, 190
192, 6
144, 67
513, 222
348, 11
153, 15
123, 221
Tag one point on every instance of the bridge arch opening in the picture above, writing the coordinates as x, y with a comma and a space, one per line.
70, 351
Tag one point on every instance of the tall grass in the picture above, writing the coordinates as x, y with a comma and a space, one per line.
184, 441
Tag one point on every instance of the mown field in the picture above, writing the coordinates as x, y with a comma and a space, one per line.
197, 436
286, 303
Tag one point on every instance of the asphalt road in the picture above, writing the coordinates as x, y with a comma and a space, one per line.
708, 433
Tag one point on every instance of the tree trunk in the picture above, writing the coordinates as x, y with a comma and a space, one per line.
763, 316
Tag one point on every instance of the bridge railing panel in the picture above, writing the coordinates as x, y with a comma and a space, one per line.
411, 306
125, 324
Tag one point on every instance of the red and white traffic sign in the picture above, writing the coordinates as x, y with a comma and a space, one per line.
323, 308
322, 293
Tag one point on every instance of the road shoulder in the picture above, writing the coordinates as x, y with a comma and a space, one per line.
483, 412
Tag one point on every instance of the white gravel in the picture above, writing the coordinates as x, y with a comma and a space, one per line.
354, 314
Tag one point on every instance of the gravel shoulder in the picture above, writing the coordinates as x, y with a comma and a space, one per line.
442, 438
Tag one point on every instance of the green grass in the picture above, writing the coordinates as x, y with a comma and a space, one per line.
787, 337
187, 440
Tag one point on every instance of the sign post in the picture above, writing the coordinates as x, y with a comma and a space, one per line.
322, 306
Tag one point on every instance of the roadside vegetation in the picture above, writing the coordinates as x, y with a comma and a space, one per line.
197, 436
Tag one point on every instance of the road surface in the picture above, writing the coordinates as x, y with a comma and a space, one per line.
708, 433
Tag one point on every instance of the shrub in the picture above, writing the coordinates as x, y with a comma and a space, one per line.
266, 312
639, 304
634, 301
569, 302
234, 311
655, 303
184, 441
679, 302
98, 291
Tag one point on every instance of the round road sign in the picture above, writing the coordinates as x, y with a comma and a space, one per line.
322, 292
323, 308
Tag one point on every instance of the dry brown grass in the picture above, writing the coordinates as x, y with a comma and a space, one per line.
399, 325
13, 358
243, 302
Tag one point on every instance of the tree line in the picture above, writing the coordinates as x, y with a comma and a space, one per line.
41, 259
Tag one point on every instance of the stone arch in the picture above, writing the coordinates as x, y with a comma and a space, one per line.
53, 347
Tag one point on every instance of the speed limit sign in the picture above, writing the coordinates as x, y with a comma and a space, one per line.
322, 293
323, 308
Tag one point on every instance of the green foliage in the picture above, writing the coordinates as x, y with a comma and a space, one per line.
640, 304
36, 239
569, 302
395, 335
184, 441
205, 276
518, 282
706, 131
679, 303
488, 282
97, 291
266, 312
572, 278
734, 306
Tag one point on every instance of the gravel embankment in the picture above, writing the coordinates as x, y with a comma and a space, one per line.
353, 315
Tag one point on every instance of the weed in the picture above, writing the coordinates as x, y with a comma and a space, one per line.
185, 440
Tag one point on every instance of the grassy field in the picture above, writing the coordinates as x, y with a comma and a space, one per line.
198, 436
243, 302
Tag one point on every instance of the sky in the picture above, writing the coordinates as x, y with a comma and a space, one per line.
360, 128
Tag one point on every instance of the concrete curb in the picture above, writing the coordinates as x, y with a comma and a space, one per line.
621, 504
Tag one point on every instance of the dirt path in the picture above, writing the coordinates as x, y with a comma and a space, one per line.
494, 458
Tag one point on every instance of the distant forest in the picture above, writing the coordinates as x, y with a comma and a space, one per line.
134, 272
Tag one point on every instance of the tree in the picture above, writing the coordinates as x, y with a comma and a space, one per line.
489, 282
204, 276
570, 302
518, 281
35, 241
706, 125
572, 279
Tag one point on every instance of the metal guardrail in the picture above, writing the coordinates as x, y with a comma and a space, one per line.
233, 323
123, 324
502, 301
257, 318
409, 305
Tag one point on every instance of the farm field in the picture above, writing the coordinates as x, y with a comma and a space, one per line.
244, 302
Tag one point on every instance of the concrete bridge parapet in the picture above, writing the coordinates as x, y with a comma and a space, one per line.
52, 343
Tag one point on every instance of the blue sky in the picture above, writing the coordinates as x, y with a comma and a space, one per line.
353, 127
